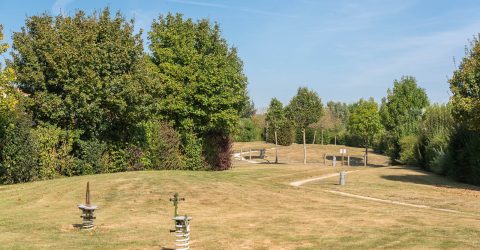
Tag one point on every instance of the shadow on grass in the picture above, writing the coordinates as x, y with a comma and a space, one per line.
77, 226
426, 178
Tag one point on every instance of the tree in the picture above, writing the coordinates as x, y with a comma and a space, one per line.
465, 87
305, 108
364, 121
401, 110
8, 95
83, 72
276, 121
203, 87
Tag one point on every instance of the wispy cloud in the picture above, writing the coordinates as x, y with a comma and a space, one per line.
224, 6
60, 6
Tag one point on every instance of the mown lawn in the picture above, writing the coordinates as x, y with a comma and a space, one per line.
250, 207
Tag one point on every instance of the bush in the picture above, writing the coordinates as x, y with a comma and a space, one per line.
18, 149
54, 150
90, 157
192, 151
218, 150
408, 146
463, 158
246, 131
163, 146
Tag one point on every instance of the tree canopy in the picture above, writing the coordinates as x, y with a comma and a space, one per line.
465, 87
401, 110
364, 120
204, 87
82, 72
305, 108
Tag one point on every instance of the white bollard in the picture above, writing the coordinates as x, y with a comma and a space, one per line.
342, 177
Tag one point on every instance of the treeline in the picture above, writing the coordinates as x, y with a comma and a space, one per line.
443, 138
82, 96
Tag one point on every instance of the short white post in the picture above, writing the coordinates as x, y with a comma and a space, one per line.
348, 160
334, 161
250, 154
342, 177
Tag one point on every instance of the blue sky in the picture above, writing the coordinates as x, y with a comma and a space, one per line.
344, 50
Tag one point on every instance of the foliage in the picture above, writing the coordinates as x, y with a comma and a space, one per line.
90, 154
218, 150
407, 149
364, 121
436, 128
83, 73
8, 95
202, 79
304, 108
276, 121
162, 146
400, 112
18, 150
463, 157
193, 151
465, 87
54, 147
246, 131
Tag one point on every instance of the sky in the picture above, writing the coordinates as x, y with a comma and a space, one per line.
344, 50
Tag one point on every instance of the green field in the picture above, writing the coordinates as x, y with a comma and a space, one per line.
252, 206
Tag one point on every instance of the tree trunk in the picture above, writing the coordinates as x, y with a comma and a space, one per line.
322, 136
314, 136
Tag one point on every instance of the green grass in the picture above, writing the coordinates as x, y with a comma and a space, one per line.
250, 207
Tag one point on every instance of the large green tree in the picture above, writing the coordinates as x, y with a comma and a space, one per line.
304, 108
82, 72
465, 87
401, 111
364, 121
203, 84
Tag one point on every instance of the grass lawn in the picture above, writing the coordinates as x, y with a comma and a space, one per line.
252, 206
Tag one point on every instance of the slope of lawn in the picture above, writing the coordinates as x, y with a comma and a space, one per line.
250, 207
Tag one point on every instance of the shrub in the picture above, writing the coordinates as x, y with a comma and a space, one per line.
90, 155
408, 146
163, 146
18, 149
192, 151
463, 159
217, 150
54, 150
246, 131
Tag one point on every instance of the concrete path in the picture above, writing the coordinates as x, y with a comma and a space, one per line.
301, 182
